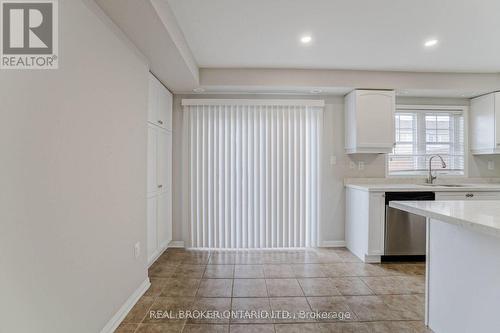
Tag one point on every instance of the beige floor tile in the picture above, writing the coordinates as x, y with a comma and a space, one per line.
307, 270
398, 327
283, 287
161, 328
188, 271
405, 269
318, 287
292, 307
249, 288
126, 328
278, 271
250, 306
205, 328
139, 311
222, 259
180, 287
210, 306
166, 309
350, 286
333, 308
219, 272
162, 270
248, 271
351, 327
396, 284
352, 269
373, 308
297, 328
251, 328
412, 306
215, 288
156, 287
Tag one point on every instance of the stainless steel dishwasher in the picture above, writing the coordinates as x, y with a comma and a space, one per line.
405, 232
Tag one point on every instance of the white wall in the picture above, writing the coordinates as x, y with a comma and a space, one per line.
333, 195
73, 181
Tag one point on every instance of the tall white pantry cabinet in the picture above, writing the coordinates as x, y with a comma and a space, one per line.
159, 179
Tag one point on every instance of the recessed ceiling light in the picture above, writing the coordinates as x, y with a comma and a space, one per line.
306, 39
198, 90
316, 91
431, 42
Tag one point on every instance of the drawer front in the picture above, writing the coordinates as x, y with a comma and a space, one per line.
467, 195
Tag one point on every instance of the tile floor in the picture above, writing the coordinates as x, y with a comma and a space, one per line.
378, 298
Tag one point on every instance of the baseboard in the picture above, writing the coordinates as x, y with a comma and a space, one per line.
116, 320
372, 258
179, 244
333, 244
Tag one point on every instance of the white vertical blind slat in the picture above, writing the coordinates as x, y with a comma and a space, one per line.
253, 175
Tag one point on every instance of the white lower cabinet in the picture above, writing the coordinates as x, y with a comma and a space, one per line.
365, 219
164, 219
152, 228
159, 177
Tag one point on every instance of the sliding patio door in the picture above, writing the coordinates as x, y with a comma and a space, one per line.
252, 173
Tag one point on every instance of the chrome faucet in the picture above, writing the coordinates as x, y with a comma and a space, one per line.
431, 178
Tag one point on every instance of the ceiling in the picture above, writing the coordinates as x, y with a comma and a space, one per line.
383, 35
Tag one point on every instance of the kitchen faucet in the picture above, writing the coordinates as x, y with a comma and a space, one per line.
431, 178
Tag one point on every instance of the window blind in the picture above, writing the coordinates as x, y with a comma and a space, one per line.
253, 173
423, 133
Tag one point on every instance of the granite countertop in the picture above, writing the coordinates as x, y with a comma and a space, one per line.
482, 216
384, 187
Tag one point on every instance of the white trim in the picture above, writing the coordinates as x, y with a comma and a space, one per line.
333, 243
116, 320
464, 110
176, 244
284, 102
448, 108
249, 249
372, 258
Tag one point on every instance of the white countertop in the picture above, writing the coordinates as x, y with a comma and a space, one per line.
482, 216
385, 187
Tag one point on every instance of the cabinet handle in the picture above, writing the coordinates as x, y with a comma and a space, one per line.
160, 186
160, 122
469, 195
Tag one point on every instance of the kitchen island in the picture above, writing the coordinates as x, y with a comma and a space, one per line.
463, 264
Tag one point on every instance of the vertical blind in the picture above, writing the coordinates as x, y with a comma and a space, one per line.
423, 133
253, 172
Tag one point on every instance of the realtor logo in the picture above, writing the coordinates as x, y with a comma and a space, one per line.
29, 34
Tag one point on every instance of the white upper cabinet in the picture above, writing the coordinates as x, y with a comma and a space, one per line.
485, 124
369, 121
160, 104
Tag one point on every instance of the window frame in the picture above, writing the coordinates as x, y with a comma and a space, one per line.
438, 108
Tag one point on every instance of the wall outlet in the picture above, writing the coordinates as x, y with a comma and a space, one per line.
333, 160
491, 165
361, 165
137, 250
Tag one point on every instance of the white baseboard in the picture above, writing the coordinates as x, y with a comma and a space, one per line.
333, 244
116, 320
372, 258
179, 244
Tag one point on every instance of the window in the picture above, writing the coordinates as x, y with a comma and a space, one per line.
423, 133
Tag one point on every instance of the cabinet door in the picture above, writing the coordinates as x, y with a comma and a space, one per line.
482, 123
153, 100
164, 219
375, 119
164, 155
164, 107
152, 229
152, 158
